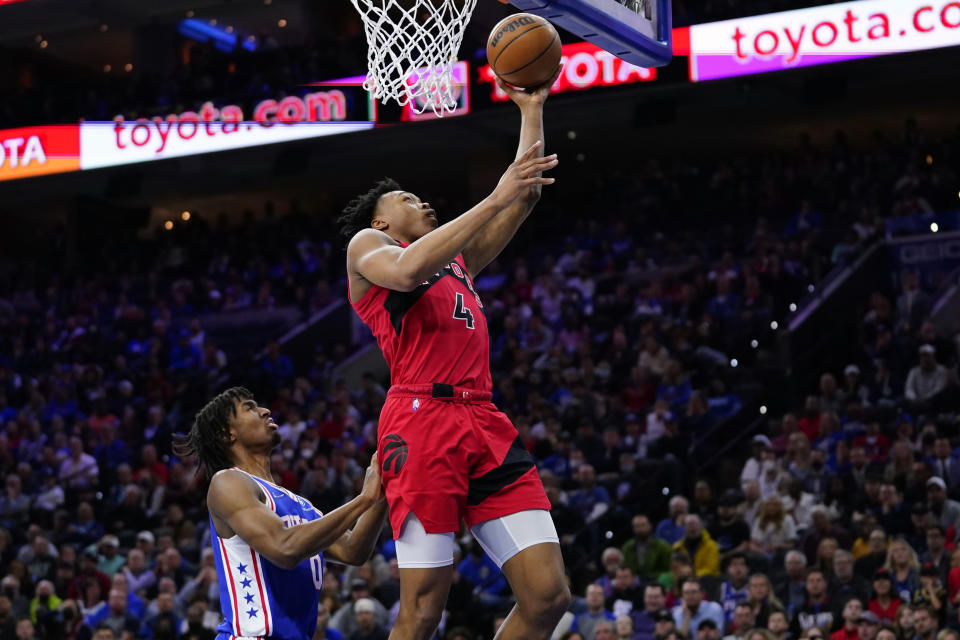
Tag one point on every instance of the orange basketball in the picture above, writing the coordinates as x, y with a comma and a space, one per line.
524, 50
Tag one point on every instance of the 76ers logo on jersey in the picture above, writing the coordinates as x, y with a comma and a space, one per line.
394, 452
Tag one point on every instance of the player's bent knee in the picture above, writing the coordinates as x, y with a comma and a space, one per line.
427, 606
562, 596
562, 600
546, 603
554, 601
422, 618
422, 602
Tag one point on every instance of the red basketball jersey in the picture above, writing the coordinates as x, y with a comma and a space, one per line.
435, 333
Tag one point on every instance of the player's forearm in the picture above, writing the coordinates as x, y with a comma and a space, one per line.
363, 537
430, 253
492, 239
531, 130
311, 538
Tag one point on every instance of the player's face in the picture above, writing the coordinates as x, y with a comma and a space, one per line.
253, 427
404, 216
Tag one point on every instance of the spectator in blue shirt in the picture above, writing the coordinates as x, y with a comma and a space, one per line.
724, 304
675, 386
85, 530
645, 620
490, 585
671, 529
184, 355
611, 559
7, 412
278, 366
114, 614
586, 622
165, 623
135, 605
62, 405
807, 219
558, 461
734, 590
112, 451
693, 609
591, 500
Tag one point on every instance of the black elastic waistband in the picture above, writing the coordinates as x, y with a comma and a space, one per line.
441, 390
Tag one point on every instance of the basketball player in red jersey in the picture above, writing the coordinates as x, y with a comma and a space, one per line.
446, 452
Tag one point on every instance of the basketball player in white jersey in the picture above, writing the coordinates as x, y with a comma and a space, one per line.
269, 543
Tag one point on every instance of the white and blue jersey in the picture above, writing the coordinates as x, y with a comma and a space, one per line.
730, 598
259, 599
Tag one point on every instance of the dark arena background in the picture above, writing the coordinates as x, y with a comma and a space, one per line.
728, 334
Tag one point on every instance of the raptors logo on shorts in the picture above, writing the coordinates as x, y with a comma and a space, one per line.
467, 460
394, 452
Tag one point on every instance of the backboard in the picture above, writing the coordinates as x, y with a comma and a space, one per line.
638, 31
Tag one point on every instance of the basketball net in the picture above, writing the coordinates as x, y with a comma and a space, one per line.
412, 47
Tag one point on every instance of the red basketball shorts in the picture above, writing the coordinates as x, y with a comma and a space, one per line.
448, 454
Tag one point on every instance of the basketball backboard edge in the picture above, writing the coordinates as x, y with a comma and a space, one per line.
644, 39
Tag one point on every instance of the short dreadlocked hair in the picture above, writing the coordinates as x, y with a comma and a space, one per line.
209, 437
358, 214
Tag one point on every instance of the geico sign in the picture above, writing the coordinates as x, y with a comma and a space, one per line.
584, 66
930, 251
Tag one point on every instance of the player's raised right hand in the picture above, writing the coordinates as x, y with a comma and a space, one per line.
372, 482
523, 175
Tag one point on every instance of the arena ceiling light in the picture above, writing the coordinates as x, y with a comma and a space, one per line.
224, 39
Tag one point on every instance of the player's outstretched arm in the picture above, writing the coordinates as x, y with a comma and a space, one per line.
490, 241
356, 545
380, 259
234, 498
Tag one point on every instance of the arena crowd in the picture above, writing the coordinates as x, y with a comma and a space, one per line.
610, 347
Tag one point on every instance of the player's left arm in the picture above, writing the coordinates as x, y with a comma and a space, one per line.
356, 545
492, 238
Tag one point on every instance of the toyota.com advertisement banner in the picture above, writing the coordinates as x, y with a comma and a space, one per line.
820, 35
35, 151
